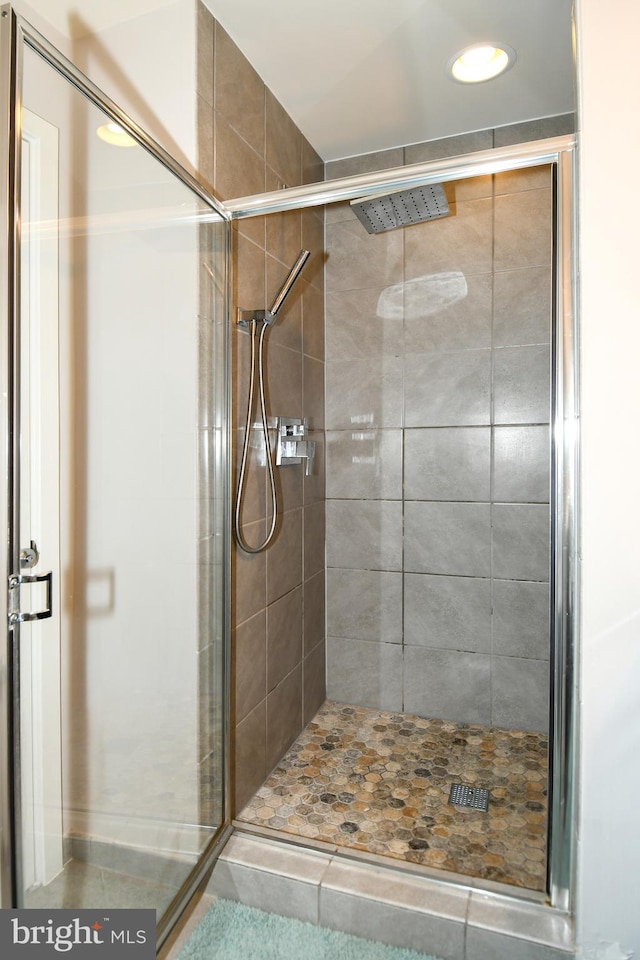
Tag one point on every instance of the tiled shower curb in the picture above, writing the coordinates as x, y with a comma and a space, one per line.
451, 922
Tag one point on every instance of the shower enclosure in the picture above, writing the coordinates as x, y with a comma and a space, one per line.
114, 434
450, 399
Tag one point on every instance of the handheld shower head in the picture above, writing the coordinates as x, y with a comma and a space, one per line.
285, 289
267, 317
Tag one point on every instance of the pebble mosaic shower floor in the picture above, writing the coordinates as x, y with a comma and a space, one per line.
379, 782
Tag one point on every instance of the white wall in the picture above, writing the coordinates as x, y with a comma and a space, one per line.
147, 65
609, 847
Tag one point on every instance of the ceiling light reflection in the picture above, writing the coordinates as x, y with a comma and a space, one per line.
423, 296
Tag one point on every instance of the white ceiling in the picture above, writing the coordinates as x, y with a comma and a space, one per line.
364, 75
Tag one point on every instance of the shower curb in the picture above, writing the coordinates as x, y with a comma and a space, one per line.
451, 921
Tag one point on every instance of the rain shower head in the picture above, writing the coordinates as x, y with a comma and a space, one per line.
386, 211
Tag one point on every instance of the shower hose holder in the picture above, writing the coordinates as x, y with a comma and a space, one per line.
246, 317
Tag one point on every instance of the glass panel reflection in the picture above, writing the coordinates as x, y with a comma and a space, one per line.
122, 286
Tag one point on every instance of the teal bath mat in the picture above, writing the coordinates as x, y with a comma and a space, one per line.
232, 931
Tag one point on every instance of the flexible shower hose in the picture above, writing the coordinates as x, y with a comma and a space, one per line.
242, 543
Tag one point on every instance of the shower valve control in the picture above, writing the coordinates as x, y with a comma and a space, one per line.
291, 445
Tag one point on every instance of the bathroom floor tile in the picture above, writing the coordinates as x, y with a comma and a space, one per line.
379, 782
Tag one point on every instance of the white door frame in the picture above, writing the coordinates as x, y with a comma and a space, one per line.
40, 720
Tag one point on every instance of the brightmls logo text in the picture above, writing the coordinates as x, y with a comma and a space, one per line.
80, 934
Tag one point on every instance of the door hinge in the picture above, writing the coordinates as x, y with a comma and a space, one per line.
18, 580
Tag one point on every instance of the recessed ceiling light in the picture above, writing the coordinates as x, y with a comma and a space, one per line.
114, 134
481, 61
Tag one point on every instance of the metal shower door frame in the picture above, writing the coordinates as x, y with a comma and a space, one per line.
560, 153
15, 32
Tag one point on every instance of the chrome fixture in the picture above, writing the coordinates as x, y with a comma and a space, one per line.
16, 580
29, 556
291, 446
386, 211
248, 321
245, 317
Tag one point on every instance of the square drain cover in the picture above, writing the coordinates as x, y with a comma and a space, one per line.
475, 797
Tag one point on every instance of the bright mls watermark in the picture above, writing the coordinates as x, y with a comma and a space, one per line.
78, 934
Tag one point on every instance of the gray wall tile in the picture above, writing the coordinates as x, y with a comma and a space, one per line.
314, 538
284, 382
392, 924
364, 605
447, 612
449, 146
284, 636
448, 684
363, 394
448, 389
448, 464
534, 130
521, 547
365, 163
474, 335
265, 890
204, 55
313, 485
523, 230
284, 556
284, 716
462, 241
254, 499
367, 674
236, 164
488, 945
471, 188
521, 619
246, 113
536, 924
521, 464
357, 260
364, 534
313, 392
448, 538
289, 485
249, 576
250, 755
283, 146
360, 327
522, 306
249, 648
527, 178
444, 311
314, 690
364, 464
521, 384
256, 147
314, 611
520, 694
312, 313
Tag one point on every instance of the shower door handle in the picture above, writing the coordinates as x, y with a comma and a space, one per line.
15, 582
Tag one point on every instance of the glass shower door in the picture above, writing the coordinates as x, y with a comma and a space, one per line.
117, 597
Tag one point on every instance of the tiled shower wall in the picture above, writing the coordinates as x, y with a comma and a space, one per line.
248, 144
437, 418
